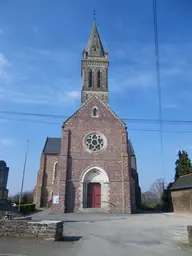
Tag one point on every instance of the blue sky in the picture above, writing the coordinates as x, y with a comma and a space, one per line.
41, 43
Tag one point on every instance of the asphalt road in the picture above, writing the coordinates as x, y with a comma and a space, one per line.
109, 234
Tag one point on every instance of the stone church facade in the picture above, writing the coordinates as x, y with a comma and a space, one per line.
92, 167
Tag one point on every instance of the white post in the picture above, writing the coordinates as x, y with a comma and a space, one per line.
23, 177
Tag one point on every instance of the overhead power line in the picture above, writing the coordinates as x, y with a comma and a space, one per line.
63, 117
158, 80
130, 129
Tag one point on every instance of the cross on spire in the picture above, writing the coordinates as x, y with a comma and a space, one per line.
94, 15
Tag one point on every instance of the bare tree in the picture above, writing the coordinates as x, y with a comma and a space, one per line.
27, 198
158, 187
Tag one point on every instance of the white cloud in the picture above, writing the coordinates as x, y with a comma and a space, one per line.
67, 57
3, 68
44, 97
31, 83
171, 106
75, 95
35, 30
133, 67
130, 78
2, 32
3, 61
6, 142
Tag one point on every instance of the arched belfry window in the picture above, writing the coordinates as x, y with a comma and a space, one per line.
98, 78
90, 78
95, 112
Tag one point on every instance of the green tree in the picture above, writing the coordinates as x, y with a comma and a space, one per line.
166, 199
183, 164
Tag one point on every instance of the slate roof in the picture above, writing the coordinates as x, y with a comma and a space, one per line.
131, 151
52, 146
95, 42
182, 182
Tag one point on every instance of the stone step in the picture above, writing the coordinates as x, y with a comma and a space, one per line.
92, 210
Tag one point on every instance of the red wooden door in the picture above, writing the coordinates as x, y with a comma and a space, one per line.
94, 195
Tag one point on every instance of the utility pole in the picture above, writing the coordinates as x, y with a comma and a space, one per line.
23, 177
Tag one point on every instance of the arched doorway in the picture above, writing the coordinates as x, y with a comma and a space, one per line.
93, 195
94, 188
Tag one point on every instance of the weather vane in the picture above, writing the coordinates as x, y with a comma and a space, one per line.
94, 14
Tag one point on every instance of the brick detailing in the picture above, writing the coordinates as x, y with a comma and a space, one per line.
120, 194
74, 159
181, 200
44, 230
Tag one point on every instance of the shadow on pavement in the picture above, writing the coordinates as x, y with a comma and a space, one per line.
71, 238
68, 221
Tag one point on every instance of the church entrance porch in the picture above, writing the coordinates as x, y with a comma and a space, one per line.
94, 195
94, 190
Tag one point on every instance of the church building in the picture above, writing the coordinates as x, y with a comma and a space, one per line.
92, 167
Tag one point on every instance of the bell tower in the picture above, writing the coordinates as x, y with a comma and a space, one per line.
94, 69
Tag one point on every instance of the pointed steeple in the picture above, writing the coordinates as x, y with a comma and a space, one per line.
94, 69
94, 46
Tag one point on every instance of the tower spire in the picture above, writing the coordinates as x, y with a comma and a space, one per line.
94, 46
94, 68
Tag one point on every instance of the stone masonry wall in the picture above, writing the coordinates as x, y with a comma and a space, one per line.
59, 187
182, 200
38, 189
47, 186
44, 187
46, 230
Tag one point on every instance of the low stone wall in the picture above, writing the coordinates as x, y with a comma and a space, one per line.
189, 229
46, 230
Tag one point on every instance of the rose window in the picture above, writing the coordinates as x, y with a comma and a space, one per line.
95, 142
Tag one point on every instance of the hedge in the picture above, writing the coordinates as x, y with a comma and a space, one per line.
26, 208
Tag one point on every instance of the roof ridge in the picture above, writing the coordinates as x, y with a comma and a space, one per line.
53, 137
185, 175
86, 102
45, 144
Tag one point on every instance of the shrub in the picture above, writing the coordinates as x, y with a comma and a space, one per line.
150, 206
26, 208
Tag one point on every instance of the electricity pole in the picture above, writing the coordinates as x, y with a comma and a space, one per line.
23, 177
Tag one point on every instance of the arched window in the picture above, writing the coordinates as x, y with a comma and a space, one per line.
90, 78
94, 112
55, 167
98, 78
